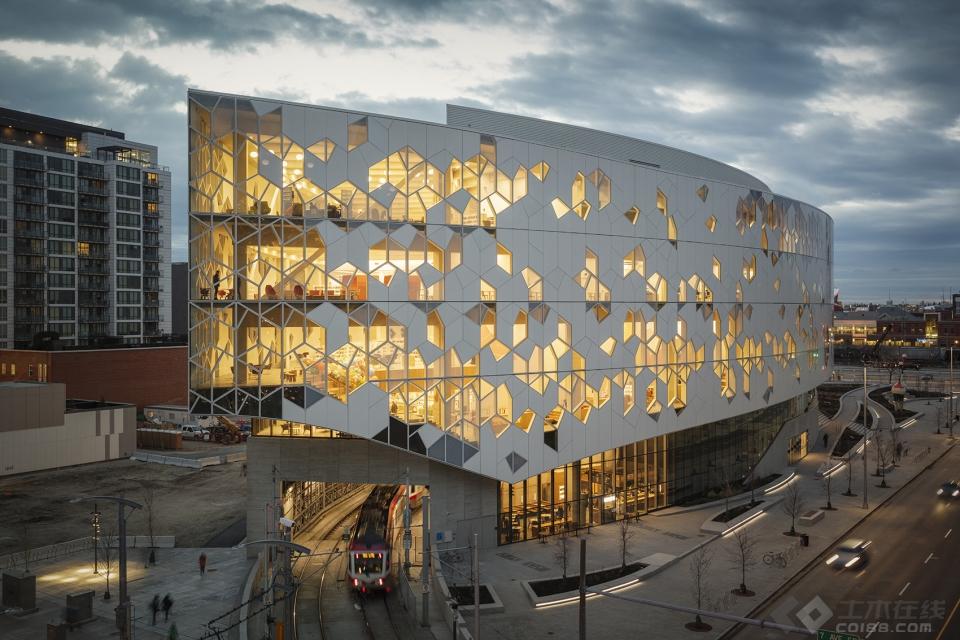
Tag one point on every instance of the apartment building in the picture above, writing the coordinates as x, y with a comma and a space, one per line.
84, 233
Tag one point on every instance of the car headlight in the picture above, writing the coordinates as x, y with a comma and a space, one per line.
939, 492
852, 562
956, 493
833, 558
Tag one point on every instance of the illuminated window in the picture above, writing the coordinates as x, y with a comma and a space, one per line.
661, 202
540, 170
711, 223
71, 145
750, 268
716, 268
356, 134
609, 345
487, 292
504, 258
519, 328
632, 214
83, 248
671, 230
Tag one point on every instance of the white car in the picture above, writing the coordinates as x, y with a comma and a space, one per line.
850, 554
193, 432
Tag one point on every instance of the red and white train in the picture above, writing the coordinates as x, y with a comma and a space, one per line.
370, 560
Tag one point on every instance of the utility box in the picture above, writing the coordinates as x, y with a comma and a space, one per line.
79, 608
20, 590
56, 631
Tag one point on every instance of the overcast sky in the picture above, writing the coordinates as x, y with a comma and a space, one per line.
852, 107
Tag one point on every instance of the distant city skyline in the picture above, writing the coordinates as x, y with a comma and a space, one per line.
852, 107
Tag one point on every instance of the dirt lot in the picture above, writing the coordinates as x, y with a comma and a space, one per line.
192, 505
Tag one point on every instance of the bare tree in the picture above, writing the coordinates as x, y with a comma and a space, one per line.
108, 551
793, 505
884, 455
828, 490
148, 496
562, 552
699, 567
727, 491
624, 534
743, 556
848, 461
24, 540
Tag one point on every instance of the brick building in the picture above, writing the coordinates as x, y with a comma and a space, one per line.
135, 375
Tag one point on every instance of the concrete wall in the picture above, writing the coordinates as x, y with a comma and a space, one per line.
31, 406
461, 501
82, 437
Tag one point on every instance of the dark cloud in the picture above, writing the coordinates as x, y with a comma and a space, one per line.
827, 102
842, 105
135, 96
222, 24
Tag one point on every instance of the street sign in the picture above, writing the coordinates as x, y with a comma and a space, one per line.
826, 634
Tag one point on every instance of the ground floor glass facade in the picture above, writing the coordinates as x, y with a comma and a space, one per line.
677, 468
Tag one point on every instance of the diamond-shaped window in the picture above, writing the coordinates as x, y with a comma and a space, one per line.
323, 149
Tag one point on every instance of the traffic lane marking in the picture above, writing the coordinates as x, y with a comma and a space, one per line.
928, 558
904, 589
946, 623
947, 534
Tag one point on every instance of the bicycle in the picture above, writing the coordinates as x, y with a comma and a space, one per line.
770, 557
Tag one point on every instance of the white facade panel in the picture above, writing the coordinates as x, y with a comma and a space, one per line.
463, 295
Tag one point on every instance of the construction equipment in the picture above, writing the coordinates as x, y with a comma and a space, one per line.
225, 431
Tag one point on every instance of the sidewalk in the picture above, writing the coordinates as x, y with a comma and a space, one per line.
197, 600
674, 536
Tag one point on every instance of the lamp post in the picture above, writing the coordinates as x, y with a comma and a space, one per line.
123, 608
950, 417
286, 571
95, 521
866, 433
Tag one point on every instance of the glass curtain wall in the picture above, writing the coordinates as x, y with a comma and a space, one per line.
677, 468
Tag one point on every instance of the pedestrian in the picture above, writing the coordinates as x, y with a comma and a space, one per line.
167, 605
154, 607
203, 563
216, 285
173, 634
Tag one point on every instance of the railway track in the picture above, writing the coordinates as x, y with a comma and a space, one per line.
378, 621
325, 548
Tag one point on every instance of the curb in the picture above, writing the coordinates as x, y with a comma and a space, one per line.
809, 566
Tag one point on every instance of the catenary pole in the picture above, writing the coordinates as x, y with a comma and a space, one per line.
425, 570
583, 589
476, 586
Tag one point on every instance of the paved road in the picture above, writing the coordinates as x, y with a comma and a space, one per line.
910, 579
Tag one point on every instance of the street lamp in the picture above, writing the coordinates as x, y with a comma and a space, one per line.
95, 522
123, 608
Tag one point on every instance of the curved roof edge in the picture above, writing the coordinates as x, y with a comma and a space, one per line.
600, 143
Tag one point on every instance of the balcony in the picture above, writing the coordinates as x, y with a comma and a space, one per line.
94, 188
92, 267
90, 315
27, 298
86, 234
93, 171
25, 178
93, 219
92, 203
24, 247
